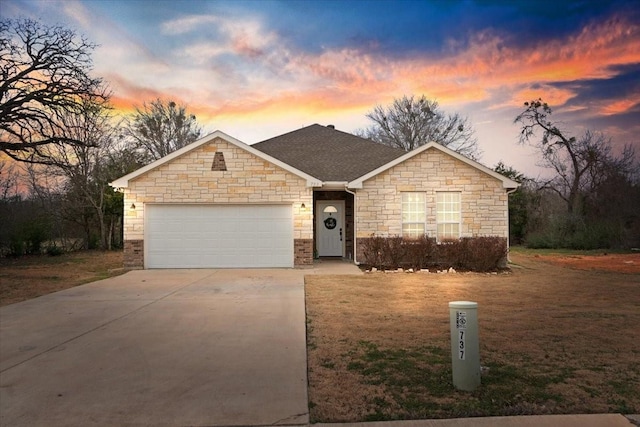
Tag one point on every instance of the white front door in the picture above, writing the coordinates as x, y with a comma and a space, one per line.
330, 232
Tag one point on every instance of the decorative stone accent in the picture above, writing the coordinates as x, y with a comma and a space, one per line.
218, 162
302, 252
134, 254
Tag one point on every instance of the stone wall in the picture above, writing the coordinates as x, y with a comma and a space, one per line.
190, 179
483, 199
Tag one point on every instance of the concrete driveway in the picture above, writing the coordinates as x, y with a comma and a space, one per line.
159, 347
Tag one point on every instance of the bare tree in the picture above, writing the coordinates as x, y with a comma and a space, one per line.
87, 169
160, 127
580, 164
409, 123
9, 180
45, 76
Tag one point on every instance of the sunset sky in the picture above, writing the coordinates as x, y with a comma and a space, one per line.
256, 69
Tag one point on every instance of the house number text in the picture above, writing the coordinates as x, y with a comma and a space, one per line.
461, 326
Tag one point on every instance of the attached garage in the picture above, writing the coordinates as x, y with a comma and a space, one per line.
218, 236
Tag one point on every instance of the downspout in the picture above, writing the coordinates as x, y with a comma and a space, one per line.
513, 190
355, 225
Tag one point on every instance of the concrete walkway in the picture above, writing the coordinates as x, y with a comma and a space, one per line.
159, 347
595, 420
332, 266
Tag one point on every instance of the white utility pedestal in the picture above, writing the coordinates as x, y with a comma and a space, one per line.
465, 345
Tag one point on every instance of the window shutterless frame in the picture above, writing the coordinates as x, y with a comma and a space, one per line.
414, 214
448, 215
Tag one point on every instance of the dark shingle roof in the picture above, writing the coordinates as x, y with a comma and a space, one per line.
328, 154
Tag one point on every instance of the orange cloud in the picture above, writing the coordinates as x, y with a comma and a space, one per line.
620, 106
550, 94
268, 79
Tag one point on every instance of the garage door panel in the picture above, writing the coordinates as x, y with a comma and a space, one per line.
218, 236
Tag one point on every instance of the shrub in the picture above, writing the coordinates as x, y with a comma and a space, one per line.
419, 252
394, 251
36, 233
54, 250
16, 246
483, 253
571, 233
373, 249
469, 253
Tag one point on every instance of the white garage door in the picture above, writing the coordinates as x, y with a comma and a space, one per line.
218, 236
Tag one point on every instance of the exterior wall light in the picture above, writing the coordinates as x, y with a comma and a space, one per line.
133, 206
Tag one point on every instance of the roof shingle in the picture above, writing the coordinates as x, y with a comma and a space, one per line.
328, 154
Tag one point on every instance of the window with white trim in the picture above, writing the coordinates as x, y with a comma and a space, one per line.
414, 214
448, 215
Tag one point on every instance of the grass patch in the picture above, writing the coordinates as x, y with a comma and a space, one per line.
419, 384
555, 340
36, 275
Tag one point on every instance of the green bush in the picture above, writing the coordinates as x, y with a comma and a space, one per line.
54, 250
570, 233
16, 246
35, 233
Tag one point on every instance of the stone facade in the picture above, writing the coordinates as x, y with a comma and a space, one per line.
248, 179
189, 179
484, 201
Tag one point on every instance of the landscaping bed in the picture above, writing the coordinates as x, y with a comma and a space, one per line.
555, 338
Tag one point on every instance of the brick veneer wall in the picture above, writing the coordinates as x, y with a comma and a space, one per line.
303, 252
133, 254
189, 179
484, 201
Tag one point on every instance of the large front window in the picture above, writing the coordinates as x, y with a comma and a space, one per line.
448, 215
414, 216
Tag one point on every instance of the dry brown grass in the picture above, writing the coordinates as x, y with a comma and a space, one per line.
32, 276
557, 339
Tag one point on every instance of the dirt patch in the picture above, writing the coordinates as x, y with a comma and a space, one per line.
32, 276
555, 340
622, 263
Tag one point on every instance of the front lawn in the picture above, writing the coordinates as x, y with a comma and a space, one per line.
554, 338
34, 275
